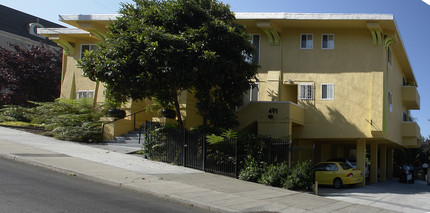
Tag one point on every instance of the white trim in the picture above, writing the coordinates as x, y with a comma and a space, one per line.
57, 31
307, 34
257, 87
292, 16
322, 41
90, 17
315, 16
327, 99
300, 91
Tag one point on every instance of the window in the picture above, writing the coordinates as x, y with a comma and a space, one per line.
87, 47
327, 41
85, 94
332, 167
306, 41
345, 166
327, 91
321, 167
253, 92
256, 42
306, 92
405, 116
389, 56
390, 101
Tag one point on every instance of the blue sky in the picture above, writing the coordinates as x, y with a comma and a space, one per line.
412, 18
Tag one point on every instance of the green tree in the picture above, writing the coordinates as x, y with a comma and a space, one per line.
158, 48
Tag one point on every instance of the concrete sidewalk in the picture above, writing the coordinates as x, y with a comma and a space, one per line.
179, 184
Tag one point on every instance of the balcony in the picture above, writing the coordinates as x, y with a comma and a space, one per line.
410, 134
410, 97
275, 118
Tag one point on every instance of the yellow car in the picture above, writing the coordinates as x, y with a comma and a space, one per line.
337, 174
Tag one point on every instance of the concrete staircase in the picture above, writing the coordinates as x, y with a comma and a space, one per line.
127, 142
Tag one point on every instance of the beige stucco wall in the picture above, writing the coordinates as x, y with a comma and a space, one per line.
358, 69
73, 79
273, 118
353, 66
394, 118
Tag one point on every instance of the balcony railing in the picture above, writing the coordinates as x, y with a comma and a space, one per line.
411, 134
410, 97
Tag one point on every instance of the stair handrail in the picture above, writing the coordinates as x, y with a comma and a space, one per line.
117, 119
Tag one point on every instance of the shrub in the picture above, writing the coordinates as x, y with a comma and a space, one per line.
66, 119
275, 174
14, 113
157, 139
220, 150
252, 170
301, 177
251, 145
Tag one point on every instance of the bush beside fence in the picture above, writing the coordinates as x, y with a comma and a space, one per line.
260, 159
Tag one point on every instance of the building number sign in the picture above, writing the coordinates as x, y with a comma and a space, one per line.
273, 110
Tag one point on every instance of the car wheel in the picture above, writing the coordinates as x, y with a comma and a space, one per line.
337, 183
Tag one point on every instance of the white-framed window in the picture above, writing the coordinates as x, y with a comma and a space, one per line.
87, 47
306, 92
327, 91
254, 92
389, 56
85, 94
327, 41
306, 41
390, 101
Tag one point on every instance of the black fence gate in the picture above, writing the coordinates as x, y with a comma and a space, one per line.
189, 149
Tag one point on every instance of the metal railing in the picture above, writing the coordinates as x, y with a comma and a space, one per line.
191, 149
134, 122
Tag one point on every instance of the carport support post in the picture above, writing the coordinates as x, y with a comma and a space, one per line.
383, 162
374, 162
361, 158
389, 163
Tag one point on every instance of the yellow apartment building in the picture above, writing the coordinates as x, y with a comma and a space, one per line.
340, 81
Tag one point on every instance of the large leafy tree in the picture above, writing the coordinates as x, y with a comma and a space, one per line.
29, 73
157, 49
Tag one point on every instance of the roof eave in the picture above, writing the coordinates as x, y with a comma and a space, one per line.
315, 16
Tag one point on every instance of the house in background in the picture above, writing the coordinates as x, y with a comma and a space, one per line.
20, 28
340, 81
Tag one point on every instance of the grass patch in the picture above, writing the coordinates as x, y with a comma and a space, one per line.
19, 124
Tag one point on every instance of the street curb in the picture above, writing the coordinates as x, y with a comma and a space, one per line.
67, 172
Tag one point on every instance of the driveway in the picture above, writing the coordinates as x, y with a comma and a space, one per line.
391, 195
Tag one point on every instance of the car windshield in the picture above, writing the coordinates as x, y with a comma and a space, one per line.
345, 166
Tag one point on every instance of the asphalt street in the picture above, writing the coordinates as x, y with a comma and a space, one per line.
25, 188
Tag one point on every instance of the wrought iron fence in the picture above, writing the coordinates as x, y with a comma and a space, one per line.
191, 149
